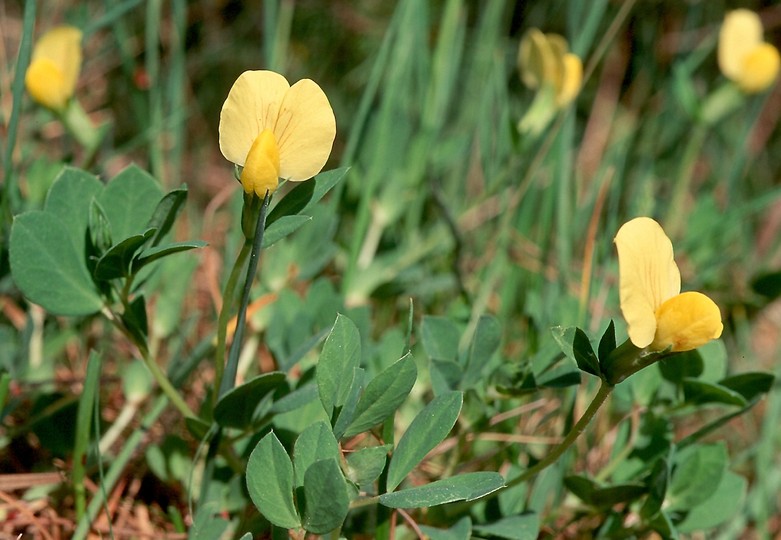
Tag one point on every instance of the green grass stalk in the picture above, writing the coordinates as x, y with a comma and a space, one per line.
11, 195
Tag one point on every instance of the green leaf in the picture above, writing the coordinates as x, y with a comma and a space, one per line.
603, 497
464, 487
699, 392
485, 342
48, 268
347, 411
607, 343
129, 200
428, 429
440, 337
116, 262
134, 318
325, 493
522, 527
749, 385
722, 505
316, 442
383, 395
99, 236
270, 482
461, 530
237, 408
166, 211
697, 473
446, 375
158, 252
340, 356
283, 227
365, 465
584, 355
768, 285
207, 524
657, 483
70, 198
306, 194
683, 365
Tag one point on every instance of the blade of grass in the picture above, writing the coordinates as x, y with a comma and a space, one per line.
11, 194
83, 422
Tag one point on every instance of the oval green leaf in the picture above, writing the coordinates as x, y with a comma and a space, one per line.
270, 482
464, 487
316, 442
428, 429
130, 200
48, 268
340, 356
325, 493
236, 409
383, 395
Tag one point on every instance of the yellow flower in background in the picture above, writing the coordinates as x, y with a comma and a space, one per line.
274, 130
658, 315
743, 55
545, 60
54, 67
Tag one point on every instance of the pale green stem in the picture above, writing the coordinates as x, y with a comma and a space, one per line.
160, 377
229, 376
225, 311
676, 214
599, 399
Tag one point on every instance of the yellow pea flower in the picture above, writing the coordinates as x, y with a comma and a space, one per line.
743, 56
274, 130
659, 317
545, 60
54, 67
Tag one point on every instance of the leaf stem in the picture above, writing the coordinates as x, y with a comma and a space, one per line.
160, 377
602, 394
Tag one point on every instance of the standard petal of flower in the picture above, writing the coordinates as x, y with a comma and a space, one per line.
740, 33
305, 131
687, 321
537, 60
261, 168
648, 276
760, 68
62, 46
570, 83
252, 105
46, 83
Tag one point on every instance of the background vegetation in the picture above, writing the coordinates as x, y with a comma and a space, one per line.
445, 207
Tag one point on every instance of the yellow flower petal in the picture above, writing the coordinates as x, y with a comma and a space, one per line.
261, 167
648, 276
54, 69
305, 131
740, 33
45, 83
537, 59
686, 321
760, 68
252, 105
573, 77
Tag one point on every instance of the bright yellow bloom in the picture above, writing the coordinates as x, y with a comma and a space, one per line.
658, 315
743, 55
274, 130
54, 68
545, 60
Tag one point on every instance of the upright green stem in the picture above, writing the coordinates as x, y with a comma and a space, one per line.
229, 377
676, 213
160, 378
225, 312
604, 391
